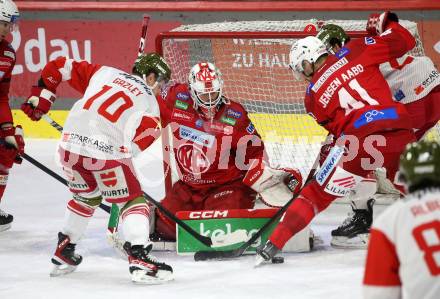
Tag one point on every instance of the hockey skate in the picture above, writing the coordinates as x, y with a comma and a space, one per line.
354, 232
65, 259
144, 268
5, 220
266, 253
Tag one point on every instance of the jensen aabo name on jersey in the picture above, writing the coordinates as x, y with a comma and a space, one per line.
349, 95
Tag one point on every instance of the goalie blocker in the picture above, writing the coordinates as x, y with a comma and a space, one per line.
229, 229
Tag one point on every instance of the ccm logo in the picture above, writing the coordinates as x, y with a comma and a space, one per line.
208, 214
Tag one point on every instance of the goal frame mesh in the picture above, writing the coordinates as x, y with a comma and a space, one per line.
193, 32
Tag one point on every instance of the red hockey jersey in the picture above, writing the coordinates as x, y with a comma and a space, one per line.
209, 152
7, 62
349, 95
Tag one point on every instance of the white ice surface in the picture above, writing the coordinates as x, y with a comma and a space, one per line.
38, 202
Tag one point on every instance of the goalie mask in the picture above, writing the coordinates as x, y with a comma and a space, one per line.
9, 13
149, 63
308, 49
420, 165
205, 84
332, 35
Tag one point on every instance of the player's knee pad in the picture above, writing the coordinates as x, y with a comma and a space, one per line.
137, 205
84, 206
92, 202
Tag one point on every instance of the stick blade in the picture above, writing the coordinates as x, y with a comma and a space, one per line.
216, 255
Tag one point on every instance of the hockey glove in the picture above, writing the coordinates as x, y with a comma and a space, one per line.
293, 180
378, 23
38, 103
14, 137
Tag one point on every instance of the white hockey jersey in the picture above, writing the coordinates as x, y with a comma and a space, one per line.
104, 122
403, 258
410, 78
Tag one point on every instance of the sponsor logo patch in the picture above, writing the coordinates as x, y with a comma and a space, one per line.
375, 115
341, 182
328, 72
309, 88
329, 164
341, 53
199, 123
196, 136
184, 96
369, 40
233, 113
428, 81
419, 89
250, 128
181, 115
181, 105
192, 159
112, 183
228, 120
399, 95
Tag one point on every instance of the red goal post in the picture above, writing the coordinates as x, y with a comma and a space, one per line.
253, 57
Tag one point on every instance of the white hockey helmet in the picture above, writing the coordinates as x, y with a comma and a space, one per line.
9, 11
205, 79
307, 49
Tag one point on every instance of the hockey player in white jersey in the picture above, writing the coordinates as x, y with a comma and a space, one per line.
415, 82
117, 117
404, 248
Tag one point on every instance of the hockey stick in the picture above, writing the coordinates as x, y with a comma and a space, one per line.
228, 254
54, 175
203, 239
145, 21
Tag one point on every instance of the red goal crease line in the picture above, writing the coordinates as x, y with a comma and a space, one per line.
229, 5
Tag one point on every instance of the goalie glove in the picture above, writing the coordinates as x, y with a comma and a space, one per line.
378, 23
275, 186
38, 103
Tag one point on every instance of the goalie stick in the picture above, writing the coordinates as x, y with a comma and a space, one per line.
203, 239
228, 254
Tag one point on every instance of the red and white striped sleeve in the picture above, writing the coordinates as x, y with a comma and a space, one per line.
77, 73
381, 277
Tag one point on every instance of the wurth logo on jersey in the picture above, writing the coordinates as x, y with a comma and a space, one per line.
109, 179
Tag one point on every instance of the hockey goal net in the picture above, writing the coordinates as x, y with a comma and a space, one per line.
253, 58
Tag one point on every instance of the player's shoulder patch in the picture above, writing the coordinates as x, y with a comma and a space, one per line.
369, 40
342, 52
250, 128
